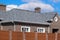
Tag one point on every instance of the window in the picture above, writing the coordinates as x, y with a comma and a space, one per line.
25, 29
55, 30
56, 19
41, 30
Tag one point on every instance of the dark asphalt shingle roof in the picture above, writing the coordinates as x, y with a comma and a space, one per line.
26, 16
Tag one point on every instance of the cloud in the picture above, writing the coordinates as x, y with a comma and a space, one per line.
9, 7
31, 5
55, 1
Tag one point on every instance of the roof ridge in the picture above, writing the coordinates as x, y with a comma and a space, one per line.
21, 10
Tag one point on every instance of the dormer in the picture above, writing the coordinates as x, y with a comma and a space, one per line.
1, 19
50, 21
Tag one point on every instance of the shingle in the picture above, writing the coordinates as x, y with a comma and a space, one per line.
27, 16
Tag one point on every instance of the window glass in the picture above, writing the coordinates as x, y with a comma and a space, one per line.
41, 30
25, 29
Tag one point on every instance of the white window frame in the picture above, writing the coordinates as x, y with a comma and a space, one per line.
40, 29
25, 27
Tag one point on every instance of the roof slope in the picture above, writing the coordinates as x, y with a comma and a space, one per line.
26, 16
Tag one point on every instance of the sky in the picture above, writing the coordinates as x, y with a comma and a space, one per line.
45, 5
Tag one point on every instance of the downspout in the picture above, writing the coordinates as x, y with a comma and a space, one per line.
14, 26
49, 29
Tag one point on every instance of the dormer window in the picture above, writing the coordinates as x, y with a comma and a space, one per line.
49, 21
0, 20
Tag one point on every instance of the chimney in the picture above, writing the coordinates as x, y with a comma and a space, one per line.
2, 7
37, 9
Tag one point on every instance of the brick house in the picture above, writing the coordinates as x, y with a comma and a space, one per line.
29, 21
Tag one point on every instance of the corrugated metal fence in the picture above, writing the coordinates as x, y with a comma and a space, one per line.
10, 35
